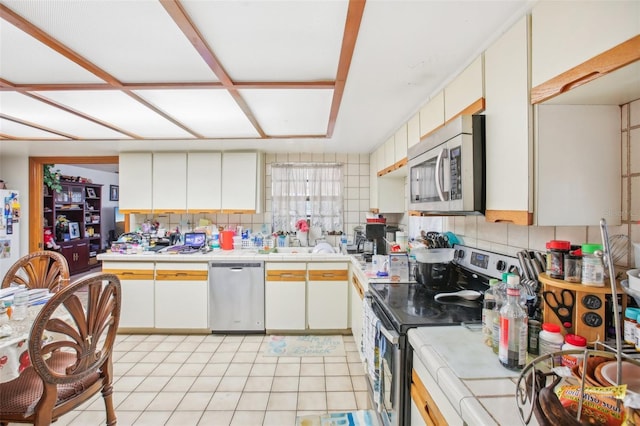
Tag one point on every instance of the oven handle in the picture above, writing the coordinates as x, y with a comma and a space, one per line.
444, 196
392, 336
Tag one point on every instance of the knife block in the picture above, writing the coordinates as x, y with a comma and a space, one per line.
589, 310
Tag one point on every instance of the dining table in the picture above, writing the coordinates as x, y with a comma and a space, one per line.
14, 347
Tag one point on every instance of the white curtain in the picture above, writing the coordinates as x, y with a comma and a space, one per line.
309, 191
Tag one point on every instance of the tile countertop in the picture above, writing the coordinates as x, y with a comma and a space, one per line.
468, 373
237, 255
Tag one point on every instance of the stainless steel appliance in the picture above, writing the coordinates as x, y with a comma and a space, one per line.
236, 296
402, 306
447, 169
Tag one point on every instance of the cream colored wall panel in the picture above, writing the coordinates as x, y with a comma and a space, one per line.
566, 34
465, 89
239, 180
400, 143
432, 114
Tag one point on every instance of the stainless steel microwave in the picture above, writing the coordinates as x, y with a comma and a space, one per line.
447, 169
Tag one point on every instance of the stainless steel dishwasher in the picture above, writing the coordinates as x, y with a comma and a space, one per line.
236, 296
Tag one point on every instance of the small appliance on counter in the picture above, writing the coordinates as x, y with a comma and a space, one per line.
375, 234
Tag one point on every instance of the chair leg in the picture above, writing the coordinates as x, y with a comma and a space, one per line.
107, 394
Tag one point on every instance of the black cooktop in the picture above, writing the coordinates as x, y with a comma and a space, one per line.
409, 305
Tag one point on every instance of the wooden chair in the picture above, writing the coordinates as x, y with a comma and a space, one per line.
40, 269
66, 372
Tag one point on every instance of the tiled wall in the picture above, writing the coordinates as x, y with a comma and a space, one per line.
356, 200
506, 238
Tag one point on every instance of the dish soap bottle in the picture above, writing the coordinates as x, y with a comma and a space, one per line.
512, 351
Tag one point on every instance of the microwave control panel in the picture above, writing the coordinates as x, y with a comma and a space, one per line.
455, 167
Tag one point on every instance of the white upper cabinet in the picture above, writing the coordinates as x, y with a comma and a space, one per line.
240, 184
135, 175
169, 182
400, 143
389, 153
466, 92
566, 34
574, 189
509, 136
373, 179
204, 186
413, 131
432, 115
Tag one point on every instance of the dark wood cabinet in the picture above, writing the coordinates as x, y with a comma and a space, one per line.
81, 205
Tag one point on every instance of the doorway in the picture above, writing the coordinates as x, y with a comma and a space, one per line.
36, 183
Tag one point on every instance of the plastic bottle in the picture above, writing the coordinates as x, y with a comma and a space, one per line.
19, 306
488, 307
215, 238
551, 340
500, 295
592, 266
573, 341
512, 351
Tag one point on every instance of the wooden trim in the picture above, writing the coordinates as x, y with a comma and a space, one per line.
37, 126
474, 108
397, 165
286, 275
517, 217
617, 57
427, 406
173, 211
131, 274
358, 286
349, 38
36, 183
227, 211
431, 132
140, 211
180, 275
185, 85
329, 275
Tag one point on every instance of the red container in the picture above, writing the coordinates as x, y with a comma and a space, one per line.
226, 240
377, 220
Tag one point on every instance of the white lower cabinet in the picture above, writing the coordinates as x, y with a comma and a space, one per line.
328, 296
137, 292
285, 296
181, 299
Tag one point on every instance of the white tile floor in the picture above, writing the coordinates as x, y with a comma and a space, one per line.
223, 380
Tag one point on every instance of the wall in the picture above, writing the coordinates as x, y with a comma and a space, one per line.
356, 197
15, 173
507, 238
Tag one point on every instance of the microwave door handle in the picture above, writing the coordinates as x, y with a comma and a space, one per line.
443, 154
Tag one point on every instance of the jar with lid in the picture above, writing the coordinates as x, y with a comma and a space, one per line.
592, 265
573, 342
556, 251
630, 322
550, 340
573, 267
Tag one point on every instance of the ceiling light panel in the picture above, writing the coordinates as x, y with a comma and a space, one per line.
290, 112
211, 113
27, 109
120, 110
135, 41
17, 130
24, 60
273, 40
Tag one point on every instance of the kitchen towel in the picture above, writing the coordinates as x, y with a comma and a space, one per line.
305, 346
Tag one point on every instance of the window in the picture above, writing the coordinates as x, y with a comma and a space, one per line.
310, 191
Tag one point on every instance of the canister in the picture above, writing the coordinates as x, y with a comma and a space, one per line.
630, 322
556, 250
573, 268
592, 266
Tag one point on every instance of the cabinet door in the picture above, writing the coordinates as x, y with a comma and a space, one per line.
135, 182
204, 186
82, 254
589, 189
466, 92
373, 180
328, 296
564, 33
169, 182
137, 284
285, 296
400, 144
389, 152
239, 182
357, 295
432, 115
413, 131
509, 130
181, 296
391, 195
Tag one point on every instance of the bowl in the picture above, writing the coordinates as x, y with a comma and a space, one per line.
606, 374
634, 279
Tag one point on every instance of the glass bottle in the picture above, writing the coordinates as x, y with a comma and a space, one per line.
488, 308
500, 295
512, 351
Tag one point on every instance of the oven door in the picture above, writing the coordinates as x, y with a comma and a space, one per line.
429, 180
385, 378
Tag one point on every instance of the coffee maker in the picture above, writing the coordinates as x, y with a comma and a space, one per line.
374, 244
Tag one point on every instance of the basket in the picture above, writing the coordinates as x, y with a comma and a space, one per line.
247, 244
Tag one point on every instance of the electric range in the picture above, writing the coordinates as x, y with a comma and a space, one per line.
405, 305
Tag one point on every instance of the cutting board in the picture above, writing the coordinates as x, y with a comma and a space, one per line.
464, 352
